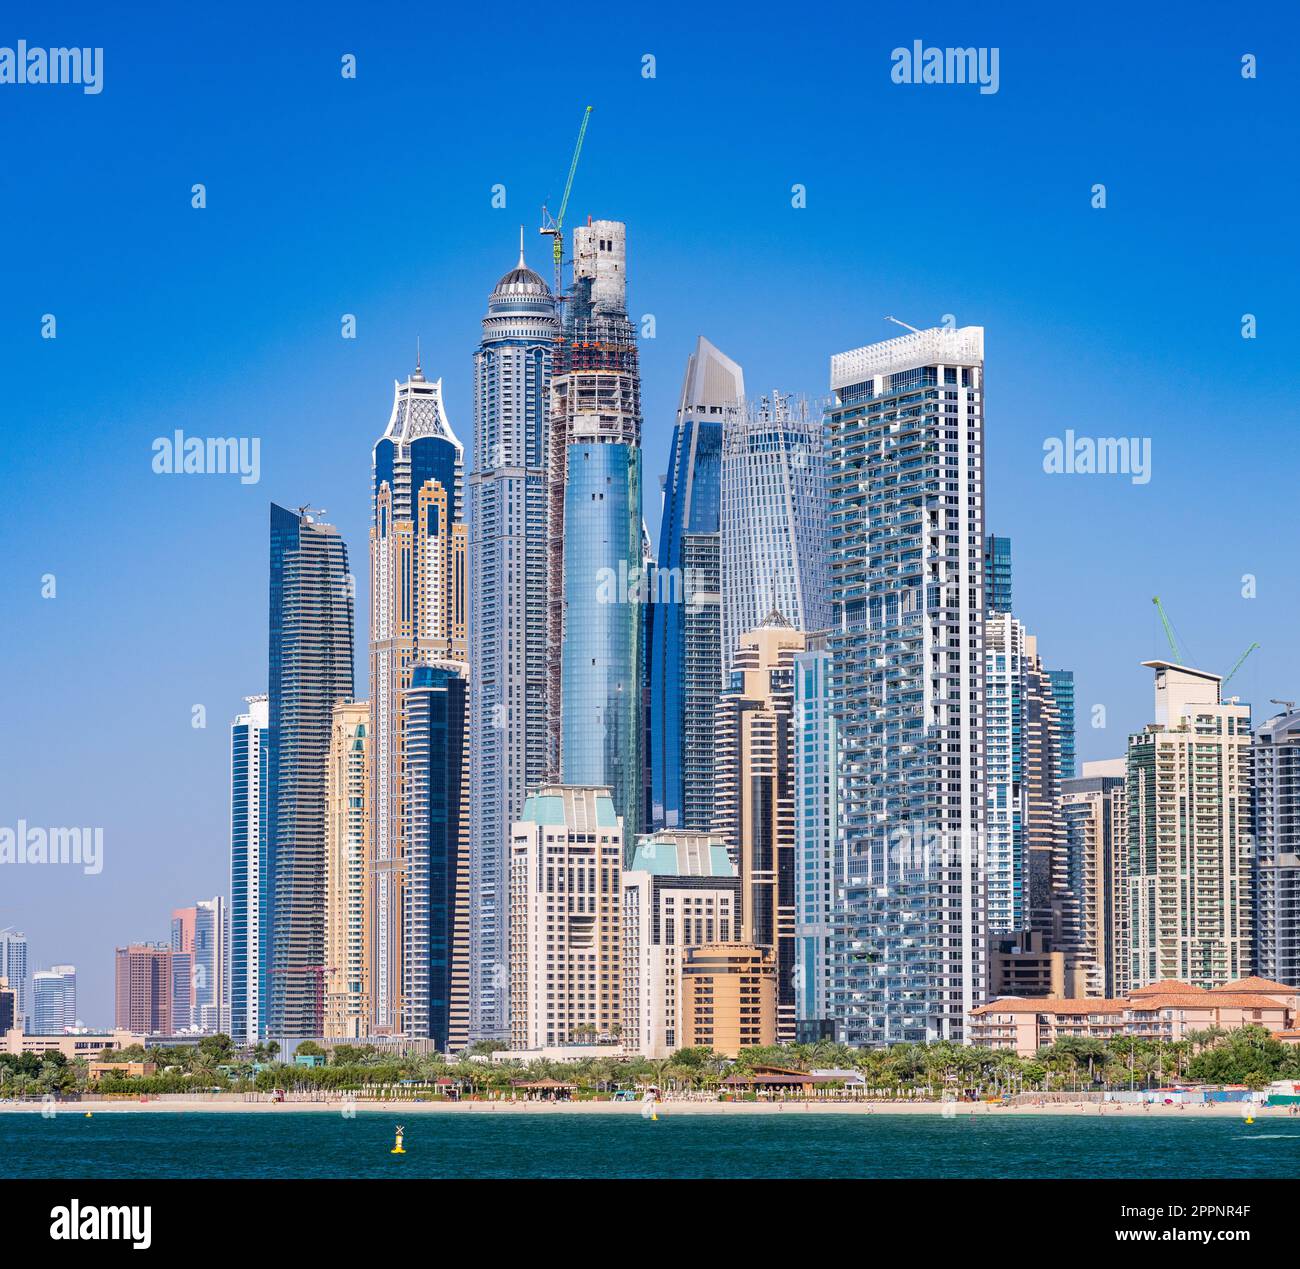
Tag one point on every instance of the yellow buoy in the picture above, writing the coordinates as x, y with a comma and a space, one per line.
397, 1146
90, 1114
1250, 1119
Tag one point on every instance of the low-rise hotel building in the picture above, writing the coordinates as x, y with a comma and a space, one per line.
728, 997
1167, 1011
680, 890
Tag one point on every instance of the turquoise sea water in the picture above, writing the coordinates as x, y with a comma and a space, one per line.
497, 1144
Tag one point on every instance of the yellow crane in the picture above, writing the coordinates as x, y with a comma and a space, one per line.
554, 225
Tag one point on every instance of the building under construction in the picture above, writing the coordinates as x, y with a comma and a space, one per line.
594, 649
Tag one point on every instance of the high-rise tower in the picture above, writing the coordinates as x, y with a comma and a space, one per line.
310, 668
1276, 770
595, 654
250, 813
435, 891
906, 533
755, 796
348, 873
510, 745
417, 612
686, 650
773, 519
1190, 841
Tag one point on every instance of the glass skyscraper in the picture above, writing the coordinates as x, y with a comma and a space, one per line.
997, 574
511, 747
250, 810
1062, 684
773, 520
54, 1000
418, 611
310, 668
596, 583
906, 529
435, 891
686, 648
13, 967
818, 856
1275, 756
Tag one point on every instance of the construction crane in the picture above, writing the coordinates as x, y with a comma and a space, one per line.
1240, 661
1173, 645
904, 325
1169, 630
555, 225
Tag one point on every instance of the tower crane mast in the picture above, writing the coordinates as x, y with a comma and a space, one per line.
554, 225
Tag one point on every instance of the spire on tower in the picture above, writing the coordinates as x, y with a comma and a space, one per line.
521, 264
419, 374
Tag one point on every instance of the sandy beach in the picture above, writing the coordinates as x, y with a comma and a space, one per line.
200, 1105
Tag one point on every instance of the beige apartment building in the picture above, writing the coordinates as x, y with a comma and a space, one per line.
1093, 811
1166, 1011
1190, 848
680, 890
347, 873
566, 855
755, 790
728, 997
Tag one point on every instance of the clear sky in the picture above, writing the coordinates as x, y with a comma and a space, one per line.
373, 197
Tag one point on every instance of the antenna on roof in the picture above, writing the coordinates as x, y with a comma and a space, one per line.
904, 325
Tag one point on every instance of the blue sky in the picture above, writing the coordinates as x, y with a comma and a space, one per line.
373, 197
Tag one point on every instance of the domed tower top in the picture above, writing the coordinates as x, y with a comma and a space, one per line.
521, 282
521, 305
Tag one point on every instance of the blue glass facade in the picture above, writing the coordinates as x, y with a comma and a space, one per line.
1062, 682
686, 654
601, 715
309, 668
248, 816
435, 986
997, 574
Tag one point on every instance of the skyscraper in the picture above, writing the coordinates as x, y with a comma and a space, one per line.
250, 810
1276, 770
1189, 835
54, 1000
997, 575
211, 994
347, 873
143, 981
566, 865
13, 967
755, 795
773, 519
510, 746
818, 856
418, 611
906, 531
1094, 821
686, 653
183, 969
596, 587
435, 891
310, 669
1062, 687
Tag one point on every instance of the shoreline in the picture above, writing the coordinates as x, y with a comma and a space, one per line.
958, 1110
